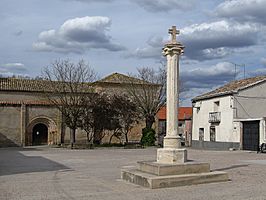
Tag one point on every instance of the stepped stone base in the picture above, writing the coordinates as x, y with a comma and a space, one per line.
153, 181
161, 169
153, 175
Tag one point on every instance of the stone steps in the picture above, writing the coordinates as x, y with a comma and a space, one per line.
161, 169
153, 181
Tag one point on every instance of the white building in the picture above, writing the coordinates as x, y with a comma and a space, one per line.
232, 116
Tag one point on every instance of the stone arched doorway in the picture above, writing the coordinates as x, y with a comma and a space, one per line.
40, 134
40, 131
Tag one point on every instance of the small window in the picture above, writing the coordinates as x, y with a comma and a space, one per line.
201, 134
212, 134
216, 106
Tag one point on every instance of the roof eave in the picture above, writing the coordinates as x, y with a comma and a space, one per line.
213, 96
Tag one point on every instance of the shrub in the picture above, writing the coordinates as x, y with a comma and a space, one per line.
148, 137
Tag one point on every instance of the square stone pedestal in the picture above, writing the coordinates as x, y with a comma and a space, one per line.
171, 156
154, 174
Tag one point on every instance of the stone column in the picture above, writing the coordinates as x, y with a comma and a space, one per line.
172, 152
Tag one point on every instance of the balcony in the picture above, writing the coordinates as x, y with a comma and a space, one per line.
214, 117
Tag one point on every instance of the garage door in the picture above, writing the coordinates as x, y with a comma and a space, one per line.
251, 135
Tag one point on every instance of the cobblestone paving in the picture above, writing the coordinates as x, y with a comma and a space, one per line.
53, 174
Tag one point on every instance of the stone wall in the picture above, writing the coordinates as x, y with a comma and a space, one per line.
16, 124
251, 102
10, 127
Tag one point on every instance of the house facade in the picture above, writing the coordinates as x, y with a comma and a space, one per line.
27, 118
184, 124
232, 116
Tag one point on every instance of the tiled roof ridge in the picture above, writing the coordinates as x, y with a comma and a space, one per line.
121, 78
254, 83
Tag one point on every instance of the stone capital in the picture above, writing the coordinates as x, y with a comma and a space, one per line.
172, 49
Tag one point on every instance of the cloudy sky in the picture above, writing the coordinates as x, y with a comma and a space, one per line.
224, 39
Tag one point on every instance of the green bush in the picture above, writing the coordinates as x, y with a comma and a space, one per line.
148, 137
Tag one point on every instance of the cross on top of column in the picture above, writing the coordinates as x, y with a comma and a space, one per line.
173, 33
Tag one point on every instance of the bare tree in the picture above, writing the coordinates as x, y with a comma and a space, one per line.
126, 114
69, 84
150, 94
97, 117
87, 116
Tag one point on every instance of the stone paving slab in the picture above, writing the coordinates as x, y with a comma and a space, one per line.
62, 174
260, 162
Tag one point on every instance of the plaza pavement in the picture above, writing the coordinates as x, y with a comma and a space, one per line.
44, 173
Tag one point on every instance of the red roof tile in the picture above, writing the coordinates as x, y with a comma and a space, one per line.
184, 113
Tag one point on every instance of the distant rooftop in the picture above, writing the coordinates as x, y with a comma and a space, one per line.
183, 113
121, 78
32, 85
232, 87
18, 84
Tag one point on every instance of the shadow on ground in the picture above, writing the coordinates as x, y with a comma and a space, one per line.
14, 162
231, 167
6, 142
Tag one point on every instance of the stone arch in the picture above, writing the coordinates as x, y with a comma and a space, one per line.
39, 134
51, 129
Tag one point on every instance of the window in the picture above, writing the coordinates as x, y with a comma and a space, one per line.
201, 134
212, 134
216, 106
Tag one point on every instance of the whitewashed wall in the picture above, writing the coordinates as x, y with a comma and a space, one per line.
251, 102
225, 131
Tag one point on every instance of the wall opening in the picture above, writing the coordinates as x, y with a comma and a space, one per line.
251, 135
40, 134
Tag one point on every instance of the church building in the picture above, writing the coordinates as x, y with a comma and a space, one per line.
28, 118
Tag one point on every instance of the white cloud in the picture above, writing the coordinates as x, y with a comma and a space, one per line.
10, 69
243, 10
210, 77
217, 39
165, 5
257, 72
206, 41
78, 35
152, 50
200, 80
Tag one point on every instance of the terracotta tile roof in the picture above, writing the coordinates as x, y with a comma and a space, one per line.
31, 85
17, 84
184, 113
232, 87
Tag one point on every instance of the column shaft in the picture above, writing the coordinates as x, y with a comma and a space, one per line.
172, 96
